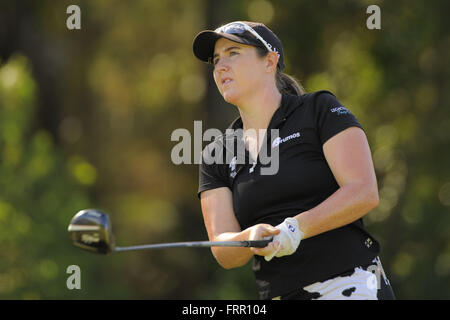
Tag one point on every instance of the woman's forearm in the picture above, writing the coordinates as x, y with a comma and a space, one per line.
348, 204
232, 257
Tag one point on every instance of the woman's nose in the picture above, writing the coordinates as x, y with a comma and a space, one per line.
222, 65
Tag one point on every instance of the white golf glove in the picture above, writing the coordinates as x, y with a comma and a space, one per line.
289, 238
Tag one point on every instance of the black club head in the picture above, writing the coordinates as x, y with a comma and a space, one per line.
91, 230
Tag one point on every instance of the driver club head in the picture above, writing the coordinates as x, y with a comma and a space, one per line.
91, 230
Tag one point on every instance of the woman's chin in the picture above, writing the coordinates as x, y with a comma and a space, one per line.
229, 97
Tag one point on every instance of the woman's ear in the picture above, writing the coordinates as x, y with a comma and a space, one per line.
271, 61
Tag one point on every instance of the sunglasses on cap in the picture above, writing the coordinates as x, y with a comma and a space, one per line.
240, 28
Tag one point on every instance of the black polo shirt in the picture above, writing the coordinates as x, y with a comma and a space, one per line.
303, 181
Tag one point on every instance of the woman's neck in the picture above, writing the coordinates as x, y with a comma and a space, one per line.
259, 109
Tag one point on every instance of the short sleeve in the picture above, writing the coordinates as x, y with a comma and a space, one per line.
211, 175
332, 117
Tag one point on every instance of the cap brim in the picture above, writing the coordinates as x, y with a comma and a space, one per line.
205, 42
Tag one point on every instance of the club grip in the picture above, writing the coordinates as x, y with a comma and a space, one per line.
257, 243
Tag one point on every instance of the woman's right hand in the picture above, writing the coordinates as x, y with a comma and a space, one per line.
264, 231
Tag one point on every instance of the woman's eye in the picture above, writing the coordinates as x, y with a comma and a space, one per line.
217, 60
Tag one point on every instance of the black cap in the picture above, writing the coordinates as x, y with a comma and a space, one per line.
205, 41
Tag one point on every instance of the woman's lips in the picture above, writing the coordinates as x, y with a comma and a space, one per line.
226, 81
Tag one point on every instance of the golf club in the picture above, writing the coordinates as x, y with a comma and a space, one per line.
91, 230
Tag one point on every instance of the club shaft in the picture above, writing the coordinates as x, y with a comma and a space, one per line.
196, 244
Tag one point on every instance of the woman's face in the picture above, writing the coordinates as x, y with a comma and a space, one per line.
238, 70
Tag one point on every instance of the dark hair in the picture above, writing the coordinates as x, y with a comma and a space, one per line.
285, 83
288, 84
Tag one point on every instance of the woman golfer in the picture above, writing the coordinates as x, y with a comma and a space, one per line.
312, 194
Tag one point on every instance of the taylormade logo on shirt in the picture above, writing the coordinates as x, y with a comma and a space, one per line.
340, 110
280, 140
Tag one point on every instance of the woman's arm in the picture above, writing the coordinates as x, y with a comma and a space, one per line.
348, 155
222, 225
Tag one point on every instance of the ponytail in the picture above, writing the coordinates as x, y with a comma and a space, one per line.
288, 84
285, 83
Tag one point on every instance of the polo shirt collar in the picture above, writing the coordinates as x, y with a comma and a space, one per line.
288, 104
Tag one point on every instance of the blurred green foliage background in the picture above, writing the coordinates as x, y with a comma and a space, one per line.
86, 118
